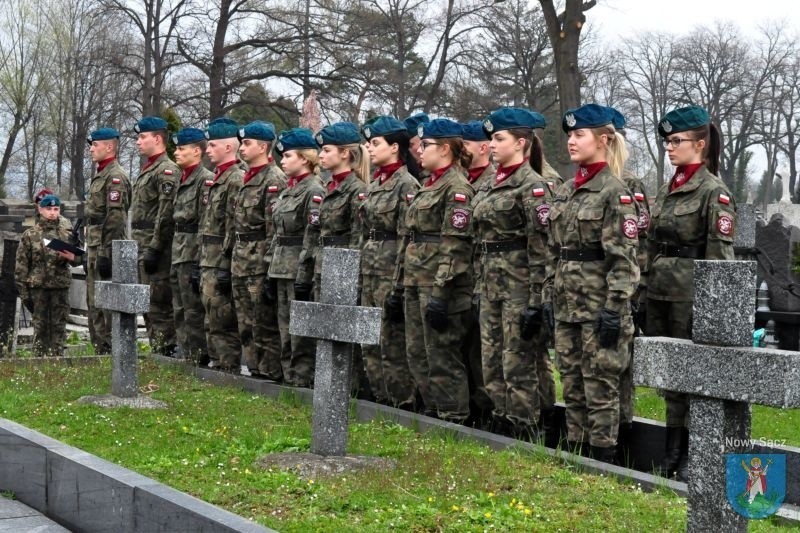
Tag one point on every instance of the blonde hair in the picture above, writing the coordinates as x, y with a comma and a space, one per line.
311, 155
359, 160
616, 148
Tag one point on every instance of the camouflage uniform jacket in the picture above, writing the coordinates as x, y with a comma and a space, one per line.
636, 186
481, 185
439, 253
186, 244
218, 203
600, 215
553, 178
252, 220
296, 215
516, 209
384, 211
107, 207
152, 205
701, 214
39, 267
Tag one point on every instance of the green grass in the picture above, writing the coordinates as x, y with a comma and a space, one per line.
208, 439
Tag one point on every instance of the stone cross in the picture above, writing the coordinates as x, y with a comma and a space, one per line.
724, 375
124, 297
338, 323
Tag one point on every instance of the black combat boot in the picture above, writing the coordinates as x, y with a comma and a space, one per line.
603, 454
672, 451
624, 443
525, 431
578, 447
682, 473
502, 426
549, 428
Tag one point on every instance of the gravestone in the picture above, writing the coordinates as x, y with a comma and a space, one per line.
124, 298
790, 212
776, 242
723, 380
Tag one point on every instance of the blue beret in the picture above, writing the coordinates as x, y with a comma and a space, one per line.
103, 134
49, 200
587, 116
339, 134
295, 139
412, 123
382, 126
222, 128
150, 124
439, 128
682, 119
617, 119
188, 136
473, 131
507, 118
258, 130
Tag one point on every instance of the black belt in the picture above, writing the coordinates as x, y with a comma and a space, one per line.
143, 225
290, 241
582, 254
425, 237
377, 235
490, 247
95, 221
687, 252
335, 240
186, 228
213, 239
251, 236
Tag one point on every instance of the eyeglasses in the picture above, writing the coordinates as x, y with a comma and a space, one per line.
674, 142
425, 144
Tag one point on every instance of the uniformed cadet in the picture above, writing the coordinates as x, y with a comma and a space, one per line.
693, 218
412, 124
42, 277
217, 236
593, 239
61, 218
253, 294
480, 175
438, 272
153, 228
510, 222
383, 219
343, 156
106, 220
296, 218
190, 144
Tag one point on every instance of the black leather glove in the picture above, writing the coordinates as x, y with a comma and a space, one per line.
302, 291
150, 259
395, 310
104, 267
194, 277
607, 328
224, 281
269, 291
436, 314
530, 322
549, 319
476, 307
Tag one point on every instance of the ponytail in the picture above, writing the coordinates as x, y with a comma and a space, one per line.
537, 154
713, 149
617, 153
461, 157
311, 155
359, 160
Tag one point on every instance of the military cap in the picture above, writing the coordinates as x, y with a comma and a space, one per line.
507, 118
295, 139
41, 194
439, 128
258, 130
587, 116
473, 131
102, 134
617, 119
412, 123
381, 126
682, 119
339, 134
222, 128
188, 136
150, 124
49, 200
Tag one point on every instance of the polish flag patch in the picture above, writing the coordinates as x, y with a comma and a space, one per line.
361, 196
317, 199
272, 188
168, 172
410, 198
116, 181
209, 183
625, 199
639, 197
538, 192
460, 197
724, 199
551, 185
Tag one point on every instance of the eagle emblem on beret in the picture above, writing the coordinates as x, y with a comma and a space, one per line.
279, 146
420, 130
666, 126
367, 132
241, 132
318, 138
488, 126
570, 120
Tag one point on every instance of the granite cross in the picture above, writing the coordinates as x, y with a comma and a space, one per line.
338, 323
124, 298
723, 375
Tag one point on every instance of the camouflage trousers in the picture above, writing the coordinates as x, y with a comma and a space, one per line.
258, 327
222, 334
471, 352
544, 370
434, 358
99, 320
159, 320
50, 314
509, 363
298, 354
386, 365
672, 319
189, 313
590, 376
